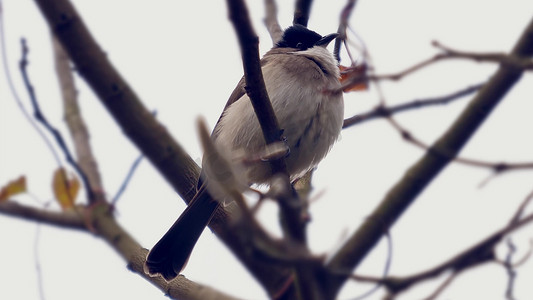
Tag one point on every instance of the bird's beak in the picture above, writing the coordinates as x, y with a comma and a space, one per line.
324, 42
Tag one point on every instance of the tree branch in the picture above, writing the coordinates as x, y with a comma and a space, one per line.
302, 9
75, 123
151, 137
481, 252
67, 219
510, 61
343, 24
255, 84
400, 197
381, 112
256, 90
501, 58
107, 228
39, 116
271, 21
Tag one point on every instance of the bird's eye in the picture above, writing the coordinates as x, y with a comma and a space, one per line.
299, 45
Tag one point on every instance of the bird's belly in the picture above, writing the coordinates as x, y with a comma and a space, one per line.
309, 133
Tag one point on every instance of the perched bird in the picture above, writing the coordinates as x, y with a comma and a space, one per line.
302, 81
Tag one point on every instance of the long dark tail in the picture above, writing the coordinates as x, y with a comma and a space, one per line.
169, 255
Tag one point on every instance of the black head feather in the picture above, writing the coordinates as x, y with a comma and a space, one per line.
298, 36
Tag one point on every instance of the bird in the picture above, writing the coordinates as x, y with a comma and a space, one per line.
302, 81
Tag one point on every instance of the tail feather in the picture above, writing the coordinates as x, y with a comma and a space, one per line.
170, 254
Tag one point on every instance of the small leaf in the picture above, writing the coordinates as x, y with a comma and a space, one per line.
12, 188
65, 188
353, 73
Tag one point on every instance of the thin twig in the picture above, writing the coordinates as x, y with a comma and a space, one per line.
387, 112
511, 273
441, 287
526, 256
15, 94
127, 180
343, 24
481, 252
37, 260
380, 112
386, 270
519, 63
41, 118
497, 168
516, 217
501, 58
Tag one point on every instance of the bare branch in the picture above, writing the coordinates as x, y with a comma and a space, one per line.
302, 10
74, 119
400, 197
441, 287
255, 84
501, 58
271, 21
305, 283
91, 196
180, 287
511, 273
256, 90
522, 208
526, 256
141, 127
381, 112
127, 179
107, 228
343, 25
68, 219
496, 167
15, 94
508, 60
475, 255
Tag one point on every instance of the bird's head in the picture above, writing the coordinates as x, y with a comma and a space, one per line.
301, 38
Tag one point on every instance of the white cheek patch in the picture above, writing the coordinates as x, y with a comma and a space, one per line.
323, 58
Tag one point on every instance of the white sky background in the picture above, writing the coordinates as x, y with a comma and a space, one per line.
183, 61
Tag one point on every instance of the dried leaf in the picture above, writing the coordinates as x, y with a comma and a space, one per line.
12, 188
66, 187
353, 73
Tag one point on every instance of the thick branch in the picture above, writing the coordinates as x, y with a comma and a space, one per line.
180, 288
145, 132
399, 198
255, 84
107, 228
256, 90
